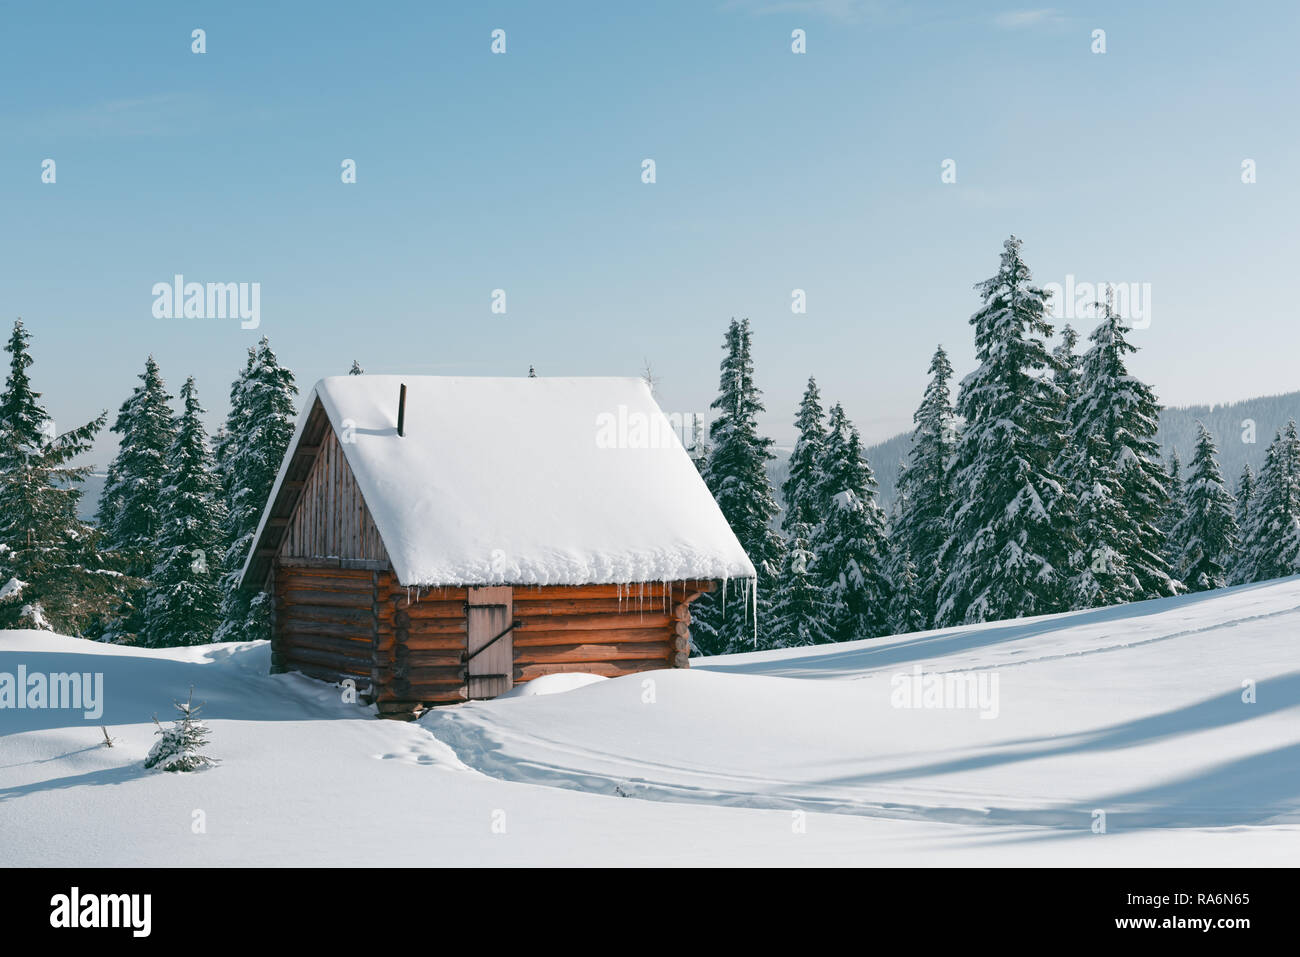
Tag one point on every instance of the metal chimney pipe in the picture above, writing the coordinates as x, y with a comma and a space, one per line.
401, 411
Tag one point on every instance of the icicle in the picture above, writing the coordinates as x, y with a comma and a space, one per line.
755, 600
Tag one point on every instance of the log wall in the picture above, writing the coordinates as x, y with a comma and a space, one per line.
324, 622
405, 647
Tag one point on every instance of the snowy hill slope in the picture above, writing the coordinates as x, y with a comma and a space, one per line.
796, 757
1137, 711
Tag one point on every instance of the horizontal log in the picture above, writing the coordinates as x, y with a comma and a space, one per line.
328, 659
300, 563
427, 688
435, 626
347, 646
332, 615
429, 611
433, 658
596, 622
309, 568
591, 652
421, 678
681, 659
352, 598
292, 627
609, 669
529, 638
329, 579
681, 643
432, 643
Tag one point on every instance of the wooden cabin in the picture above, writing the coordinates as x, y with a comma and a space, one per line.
440, 539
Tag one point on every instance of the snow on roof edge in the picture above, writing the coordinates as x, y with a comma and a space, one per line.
705, 563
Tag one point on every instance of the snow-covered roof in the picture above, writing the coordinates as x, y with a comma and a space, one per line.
524, 481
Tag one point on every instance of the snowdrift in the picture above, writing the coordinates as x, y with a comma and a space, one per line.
1166, 732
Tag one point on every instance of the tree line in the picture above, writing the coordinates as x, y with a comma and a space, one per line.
1040, 490
160, 564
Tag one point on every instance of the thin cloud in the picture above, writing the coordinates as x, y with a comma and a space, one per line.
1022, 19
844, 11
158, 114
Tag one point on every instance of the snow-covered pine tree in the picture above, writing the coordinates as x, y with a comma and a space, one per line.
1068, 374
1123, 410
1099, 572
924, 493
1273, 539
1245, 507
1207, 533
1245, 497
261, 423
799, 490
1011, 534
128, 513
736, 474
183, 599
800, 614
356, 368
850, 545
180, 747
1174, 511
45, 549
1106, 535
906, 601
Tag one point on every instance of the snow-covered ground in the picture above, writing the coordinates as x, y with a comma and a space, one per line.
776, 758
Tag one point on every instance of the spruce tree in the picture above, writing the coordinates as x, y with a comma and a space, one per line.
180, 747
906, 601
1106, 535
1174, 511
261, 423
1068, 374
800, 614
1273, 541
129, 506
1245, 496
850, 544
800, 488
1123, 411
51, 567
1010, 523
924, 492
1207, 533
736, 474
356, 368
183, 597
1245, 505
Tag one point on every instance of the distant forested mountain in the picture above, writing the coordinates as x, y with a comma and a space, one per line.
1242, 430
1229, 423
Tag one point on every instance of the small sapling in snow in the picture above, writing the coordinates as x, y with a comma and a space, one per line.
179, 747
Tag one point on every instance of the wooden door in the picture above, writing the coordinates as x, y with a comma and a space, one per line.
491, 670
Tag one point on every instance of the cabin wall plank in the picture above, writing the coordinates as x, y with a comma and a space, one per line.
332, 520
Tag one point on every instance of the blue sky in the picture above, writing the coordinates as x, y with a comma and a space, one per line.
522, 171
